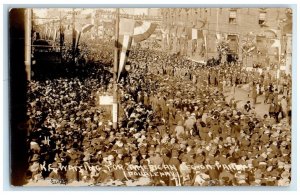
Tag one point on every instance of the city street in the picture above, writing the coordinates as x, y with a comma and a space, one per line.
148, 96
241, 96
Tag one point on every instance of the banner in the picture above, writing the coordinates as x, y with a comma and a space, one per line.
205, 32
144, 31
278, 45
54, 34
126, 26
197, 34
126, 44
218, 37
190, 48
188, 33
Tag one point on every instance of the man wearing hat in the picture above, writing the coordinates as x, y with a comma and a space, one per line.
156, 159
179, 129
174, 159
247, 107
185, 170
34, 168
190, 122
54, 174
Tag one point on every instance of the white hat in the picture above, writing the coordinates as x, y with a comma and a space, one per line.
110, 157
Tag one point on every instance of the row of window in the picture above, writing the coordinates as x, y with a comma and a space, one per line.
233, 17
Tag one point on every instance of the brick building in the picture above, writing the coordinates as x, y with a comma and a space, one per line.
238, 27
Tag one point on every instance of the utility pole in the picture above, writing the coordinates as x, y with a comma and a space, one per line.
73, 35
60, 36
28, 43
115, 70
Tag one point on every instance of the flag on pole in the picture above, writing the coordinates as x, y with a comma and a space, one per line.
77, 35
205, 32
278, 45
218, 37
196, 34
144, 31
49, 34
190, 48
54, 35
126, 26
132, 30
126, 44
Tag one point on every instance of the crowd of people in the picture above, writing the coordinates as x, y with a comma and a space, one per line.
172, 111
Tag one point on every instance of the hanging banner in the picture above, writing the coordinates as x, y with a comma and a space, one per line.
126, 44
54, 35
196, 34
278, 45
188, 32
126, 26
144, 31
190, 48
205, 32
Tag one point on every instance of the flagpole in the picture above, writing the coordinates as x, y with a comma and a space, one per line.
27, 53
73, 35
115, 70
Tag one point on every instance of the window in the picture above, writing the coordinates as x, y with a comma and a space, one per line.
233, 43
262, 18
232, 17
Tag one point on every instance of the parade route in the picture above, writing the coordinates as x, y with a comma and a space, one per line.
241, 96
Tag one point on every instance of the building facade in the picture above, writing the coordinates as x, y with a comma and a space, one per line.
250, 33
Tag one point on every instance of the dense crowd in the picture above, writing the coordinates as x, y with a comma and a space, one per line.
172, 111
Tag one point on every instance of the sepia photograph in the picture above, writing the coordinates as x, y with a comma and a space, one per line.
195, 96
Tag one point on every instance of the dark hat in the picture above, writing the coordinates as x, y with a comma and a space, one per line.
199, 159
54, 165
225, 175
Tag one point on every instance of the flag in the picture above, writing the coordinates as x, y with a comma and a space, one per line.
190, 48
184, 33
173, 31
205, 32
126, 26
126, 44
179, 31
144, 31
129, 30
189, 33
278, 45
54, 35
49, 33
273, 31
196, 34
218, 37
250, 49
77, 35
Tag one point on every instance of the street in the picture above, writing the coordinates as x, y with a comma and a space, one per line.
241, 96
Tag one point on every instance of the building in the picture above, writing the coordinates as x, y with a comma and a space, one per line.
250, 33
